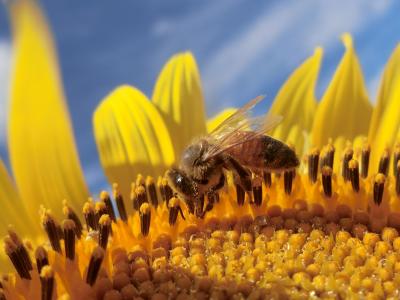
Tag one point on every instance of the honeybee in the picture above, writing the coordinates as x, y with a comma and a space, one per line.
239, 145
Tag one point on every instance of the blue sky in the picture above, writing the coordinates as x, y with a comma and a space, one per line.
243, 49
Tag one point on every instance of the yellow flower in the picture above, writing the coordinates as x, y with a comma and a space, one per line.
327, 230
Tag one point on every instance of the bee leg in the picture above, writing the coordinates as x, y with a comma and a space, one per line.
199, 206
257, 188
212, 194
242, 176
190, 204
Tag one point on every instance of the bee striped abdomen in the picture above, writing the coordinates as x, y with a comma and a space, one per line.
264, 152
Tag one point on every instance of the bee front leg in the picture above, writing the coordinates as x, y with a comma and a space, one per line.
212, 195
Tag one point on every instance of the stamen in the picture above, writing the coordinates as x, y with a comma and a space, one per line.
167, 190
141, 197
94, 265
151, 190
104, 230
145, 217
384, 163
257, 190
313, 159
240, 195
354, 175
329, 155
267, 178
288, 181
22, 251
119, 200
398, 179
14, 253
101, 209
396, 158
326, 173
348, 155
90, 216
379, 184
70, 214
41, 258
161, 187
69, 238
51, 228
365, 154
47, 281
105, 197
140, 181
174, 208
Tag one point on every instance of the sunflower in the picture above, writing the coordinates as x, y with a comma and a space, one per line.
327, 230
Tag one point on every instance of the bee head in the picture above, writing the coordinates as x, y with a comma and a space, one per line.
192, 157
180, 183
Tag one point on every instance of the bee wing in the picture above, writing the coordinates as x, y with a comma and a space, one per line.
226, 135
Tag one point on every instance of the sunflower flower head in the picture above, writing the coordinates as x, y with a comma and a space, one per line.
325, 230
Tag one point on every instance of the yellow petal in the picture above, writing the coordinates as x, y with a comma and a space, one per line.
219, 118
12, 210
388, 130
391, 73
131, 137
296, 101
179, 97
13, 213
344, 109
42, 148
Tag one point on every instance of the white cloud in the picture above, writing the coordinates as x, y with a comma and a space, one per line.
283, 34
5, 65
